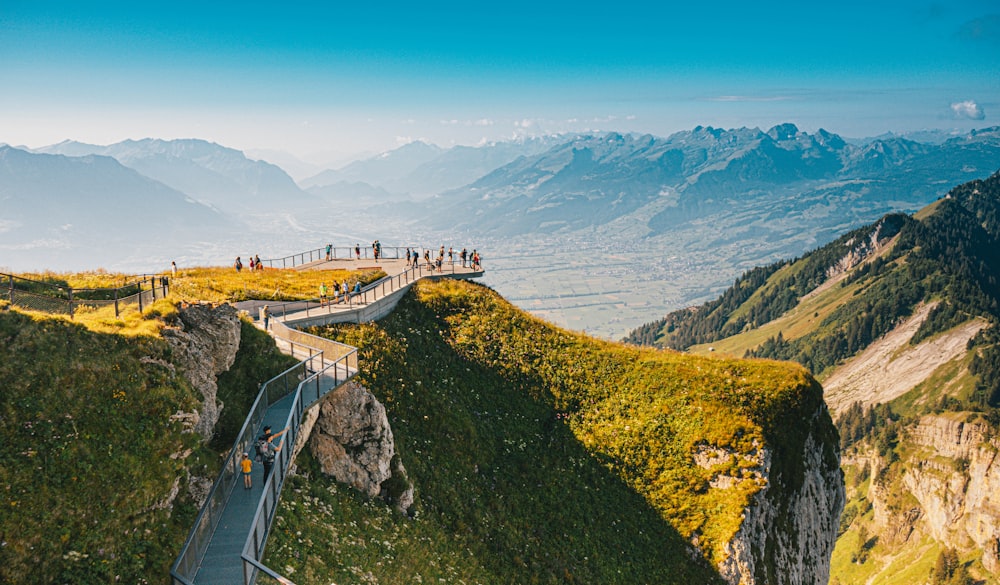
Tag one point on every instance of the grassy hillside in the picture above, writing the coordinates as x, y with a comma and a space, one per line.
90, 451
93, 451
541, 455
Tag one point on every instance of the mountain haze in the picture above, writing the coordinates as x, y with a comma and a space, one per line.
60, 209
215, 175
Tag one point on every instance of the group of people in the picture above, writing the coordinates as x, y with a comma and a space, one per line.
472, 260
254, 263
266, 451
341, 294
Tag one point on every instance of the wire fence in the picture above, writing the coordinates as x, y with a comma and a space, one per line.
62, 299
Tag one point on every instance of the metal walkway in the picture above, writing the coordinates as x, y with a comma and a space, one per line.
227, 541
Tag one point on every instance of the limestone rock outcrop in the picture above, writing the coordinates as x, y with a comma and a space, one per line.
204, 345
953, 474
790, 528
352, 441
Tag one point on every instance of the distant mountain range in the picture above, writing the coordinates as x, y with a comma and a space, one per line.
663, 183
91, 210
214, 175
693, 209
419, 170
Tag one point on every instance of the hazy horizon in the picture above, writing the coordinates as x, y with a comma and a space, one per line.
329, 83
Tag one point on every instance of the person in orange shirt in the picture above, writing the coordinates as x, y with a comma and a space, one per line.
247, 466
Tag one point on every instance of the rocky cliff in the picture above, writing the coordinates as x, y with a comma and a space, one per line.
349, 434
203, 345
946, 487
790, 528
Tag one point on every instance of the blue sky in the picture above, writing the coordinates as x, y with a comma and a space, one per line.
325, 80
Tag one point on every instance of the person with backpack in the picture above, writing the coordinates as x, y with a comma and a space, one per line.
269, 449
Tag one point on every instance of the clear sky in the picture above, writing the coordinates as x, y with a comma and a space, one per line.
327, 79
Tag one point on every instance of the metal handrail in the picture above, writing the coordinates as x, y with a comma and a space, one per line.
193, 551
308, 391
369, 294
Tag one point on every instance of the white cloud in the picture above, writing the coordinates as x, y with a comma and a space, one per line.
483, 122
525, 123
451, 122
968, 109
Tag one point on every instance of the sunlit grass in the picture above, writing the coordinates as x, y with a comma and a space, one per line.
227, 285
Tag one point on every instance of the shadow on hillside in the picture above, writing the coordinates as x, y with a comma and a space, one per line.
502, 473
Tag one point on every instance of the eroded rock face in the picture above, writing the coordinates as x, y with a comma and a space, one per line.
203, 346
353, 443
788, 532
954, 476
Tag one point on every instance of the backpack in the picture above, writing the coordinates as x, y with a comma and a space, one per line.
260, 449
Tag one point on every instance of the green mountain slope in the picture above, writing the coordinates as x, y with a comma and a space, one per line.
899, 322
541, 455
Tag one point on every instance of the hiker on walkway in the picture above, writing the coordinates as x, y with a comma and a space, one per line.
322, 294
475, 260
357, 251
451, 255
270, 449
238, 265
247, 466
375, 249
256, 259
357, 288
265, 315
427, 258
329, 252
407, 256
252, 265
463, 255
173, 269
344, 292
416, 258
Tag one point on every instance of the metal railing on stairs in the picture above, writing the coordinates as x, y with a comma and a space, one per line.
310, 379
308, 392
